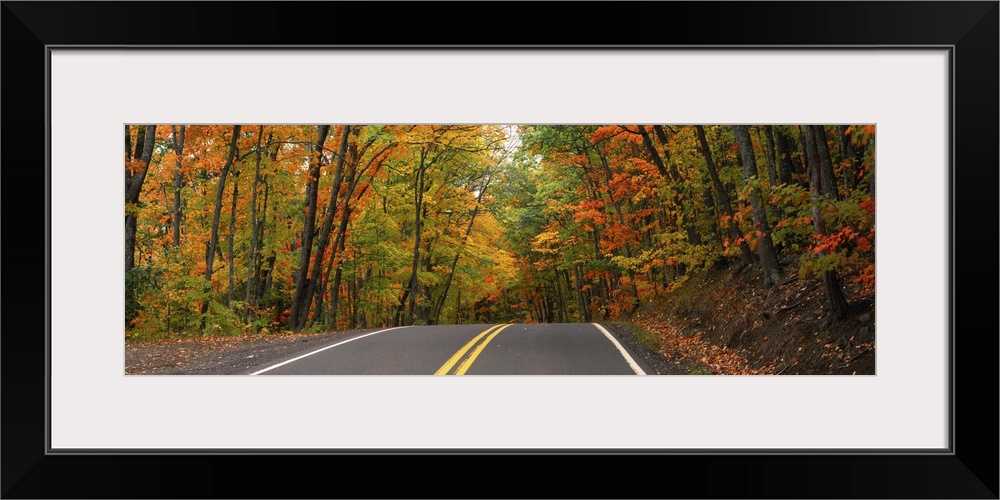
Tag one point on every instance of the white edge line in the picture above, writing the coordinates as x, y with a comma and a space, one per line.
628, 359
283, 363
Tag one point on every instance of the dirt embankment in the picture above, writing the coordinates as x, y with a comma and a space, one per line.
725, 321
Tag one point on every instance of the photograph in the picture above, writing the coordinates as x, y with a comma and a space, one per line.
500, 249
370, 195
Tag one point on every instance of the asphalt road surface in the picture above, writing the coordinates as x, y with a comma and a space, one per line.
498, 349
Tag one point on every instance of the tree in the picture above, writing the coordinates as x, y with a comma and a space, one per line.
178, 139
356, 174
693, 237
135, 174
735, 234
819, 195
768, 257
772, 173
431, 146
783, 155
827, 175
296, 321
310, 285
848, 159
214, 239
255, 226
481, 187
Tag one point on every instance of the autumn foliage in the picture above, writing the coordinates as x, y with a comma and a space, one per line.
356, 186
352, 226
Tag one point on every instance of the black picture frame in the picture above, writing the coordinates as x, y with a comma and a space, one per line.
970, 29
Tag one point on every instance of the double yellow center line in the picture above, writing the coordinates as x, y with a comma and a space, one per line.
447, 367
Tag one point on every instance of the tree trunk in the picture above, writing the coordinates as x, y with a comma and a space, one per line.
232, 238
581, 300
309, 223
254, 225
133, 185
321, 287
660, 134
712, 208
849, 159
831, 283
259, 278
178, 182
418, 198
568, 286
560, 299
653, 153
214, 239
355, 286
313, 283
800, 166
352, 284
734, 230
772, 173
784, 154
268, 279
765, 247
130, 228
331, 325
828, 177
423, 311
766, 136
458, 304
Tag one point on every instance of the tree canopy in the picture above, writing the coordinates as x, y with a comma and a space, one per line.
235, 228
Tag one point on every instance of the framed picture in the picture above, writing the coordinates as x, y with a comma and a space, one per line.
924, 74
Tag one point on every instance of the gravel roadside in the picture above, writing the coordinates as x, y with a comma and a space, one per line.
234, 355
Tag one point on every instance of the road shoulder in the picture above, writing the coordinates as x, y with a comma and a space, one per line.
650, 360
225, 355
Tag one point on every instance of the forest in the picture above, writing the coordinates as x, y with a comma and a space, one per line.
281, 228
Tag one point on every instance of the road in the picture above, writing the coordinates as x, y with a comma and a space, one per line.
498, 349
